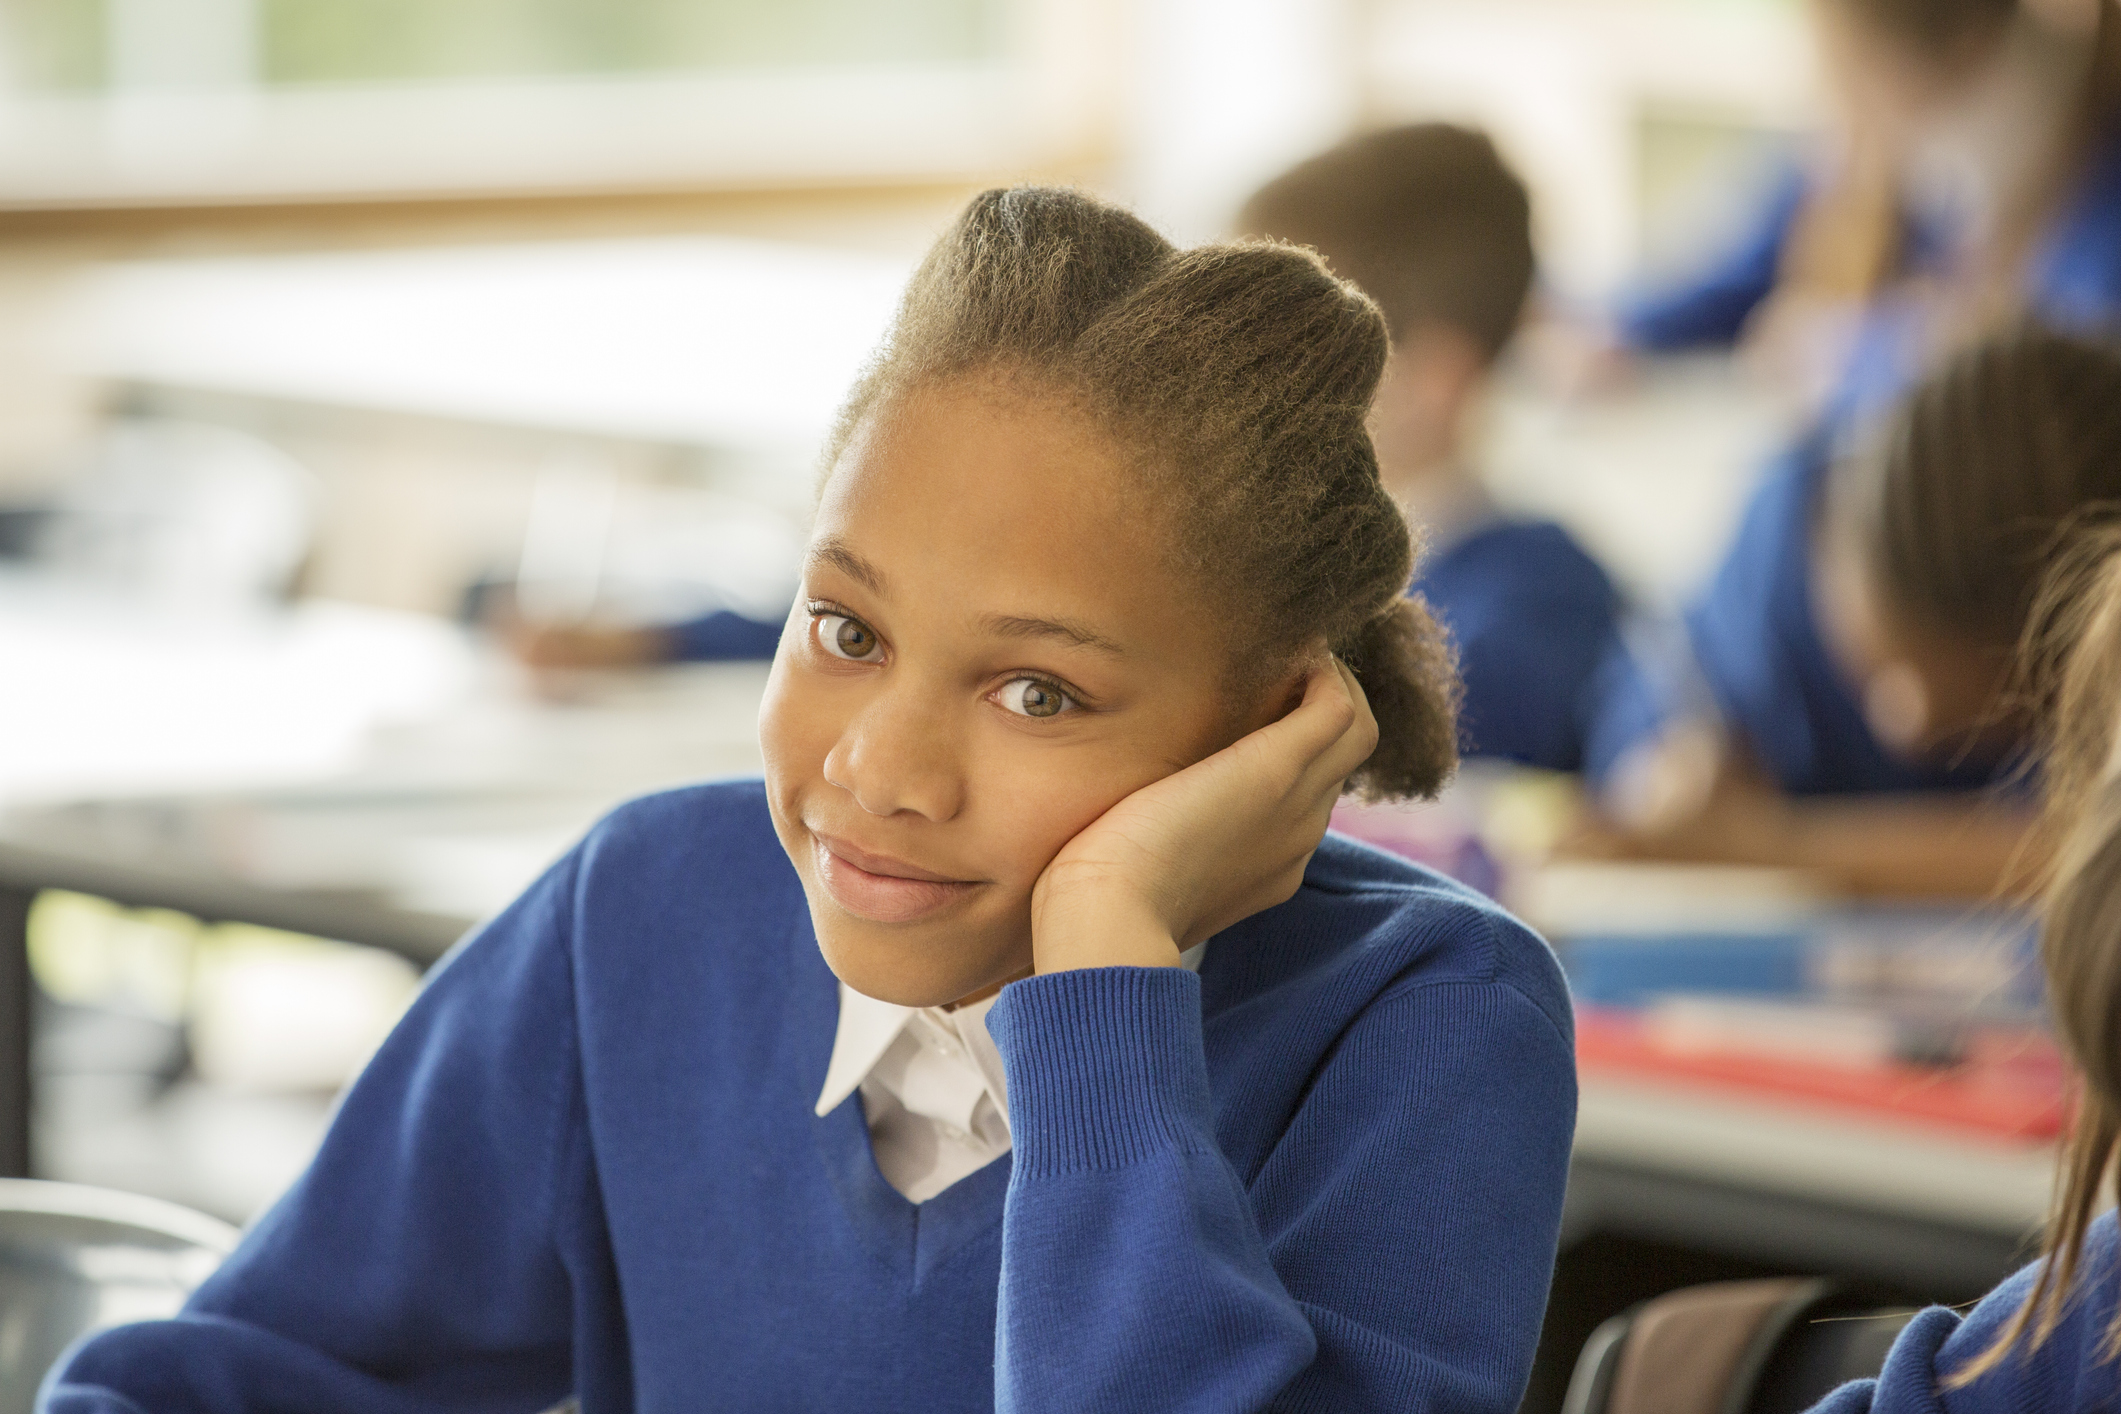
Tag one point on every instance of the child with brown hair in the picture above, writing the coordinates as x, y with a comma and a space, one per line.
1431, 223
1022, 1041
2048, 1338
1851, 717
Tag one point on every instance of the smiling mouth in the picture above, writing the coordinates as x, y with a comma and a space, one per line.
880, 888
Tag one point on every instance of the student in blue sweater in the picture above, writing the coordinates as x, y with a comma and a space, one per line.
1981, 187
1976, 165
2047, 1339
1018, 1042
1432, 224
1840, 704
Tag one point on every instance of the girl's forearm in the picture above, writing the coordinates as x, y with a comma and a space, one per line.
1878, 846
1914, 848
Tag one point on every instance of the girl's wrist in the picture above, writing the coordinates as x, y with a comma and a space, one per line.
1068, 934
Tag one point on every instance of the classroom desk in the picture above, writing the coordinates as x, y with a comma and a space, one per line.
28, 868
398, 828
1803, 1186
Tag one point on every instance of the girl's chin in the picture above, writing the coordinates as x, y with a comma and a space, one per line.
903, 966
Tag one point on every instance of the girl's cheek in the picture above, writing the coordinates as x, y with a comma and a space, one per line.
796, 729
1049, 802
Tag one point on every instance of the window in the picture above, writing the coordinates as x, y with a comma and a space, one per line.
160, 100
90, 44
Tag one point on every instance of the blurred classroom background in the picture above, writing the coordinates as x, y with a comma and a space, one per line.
335, 332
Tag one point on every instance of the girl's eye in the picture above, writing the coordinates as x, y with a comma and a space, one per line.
1028, 697
847, 638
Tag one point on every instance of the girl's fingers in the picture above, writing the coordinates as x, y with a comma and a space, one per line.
1360, 739
1329, 733
1343, 704
1320, 719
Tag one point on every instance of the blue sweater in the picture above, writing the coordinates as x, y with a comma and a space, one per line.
1533, 618
2067, 1375
2072, 273
722, 637
1753, 642
1325, 1174
1754, 638
1710, 305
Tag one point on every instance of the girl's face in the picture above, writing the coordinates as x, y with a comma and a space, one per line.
988, 651
1925, 693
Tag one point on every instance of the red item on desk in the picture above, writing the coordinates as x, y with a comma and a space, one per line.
2012, 1084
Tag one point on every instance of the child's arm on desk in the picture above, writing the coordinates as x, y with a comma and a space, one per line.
1702, 803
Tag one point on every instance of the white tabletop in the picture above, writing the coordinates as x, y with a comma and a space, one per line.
1813, 1151
332, 748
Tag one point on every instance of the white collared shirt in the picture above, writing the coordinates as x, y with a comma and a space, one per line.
933, 1091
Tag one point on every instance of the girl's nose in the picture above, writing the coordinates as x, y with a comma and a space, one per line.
899, 754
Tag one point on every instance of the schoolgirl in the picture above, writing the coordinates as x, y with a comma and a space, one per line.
1851, 717
2047, 1338
1018, 1042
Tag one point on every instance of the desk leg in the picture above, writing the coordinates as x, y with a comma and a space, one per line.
15, 988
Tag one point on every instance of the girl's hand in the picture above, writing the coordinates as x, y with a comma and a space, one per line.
1180, 860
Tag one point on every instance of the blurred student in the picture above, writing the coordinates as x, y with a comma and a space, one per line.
2047, 1339
1432, 225
1976, 175
1022, 1040
1980, 185
720, 637
1850, 711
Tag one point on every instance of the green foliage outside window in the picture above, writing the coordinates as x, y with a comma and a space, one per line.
55, 43
61, 44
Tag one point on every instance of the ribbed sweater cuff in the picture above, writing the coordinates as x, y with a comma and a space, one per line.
1105, 1067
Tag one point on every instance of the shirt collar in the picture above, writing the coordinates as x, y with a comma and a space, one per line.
867, 1027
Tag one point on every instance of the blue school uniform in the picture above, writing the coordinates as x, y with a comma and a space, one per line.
722, 637
1754, 642
1532, 617
1710, 309
1754, 650
2074, 272
2069, 1374
1325, 1173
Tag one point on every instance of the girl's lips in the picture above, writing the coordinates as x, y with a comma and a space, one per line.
879, 897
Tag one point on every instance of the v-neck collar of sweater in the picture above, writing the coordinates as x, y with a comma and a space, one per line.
867, 1027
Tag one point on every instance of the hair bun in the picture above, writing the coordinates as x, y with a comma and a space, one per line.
1409, 673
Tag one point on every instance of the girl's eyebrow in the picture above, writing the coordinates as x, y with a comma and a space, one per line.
1074, 634
835, 553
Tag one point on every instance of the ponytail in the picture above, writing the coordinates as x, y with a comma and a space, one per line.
1404, 663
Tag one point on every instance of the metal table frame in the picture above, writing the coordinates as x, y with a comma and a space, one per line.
27, 870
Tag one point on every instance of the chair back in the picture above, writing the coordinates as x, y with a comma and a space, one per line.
75, 1259
1775, 1346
